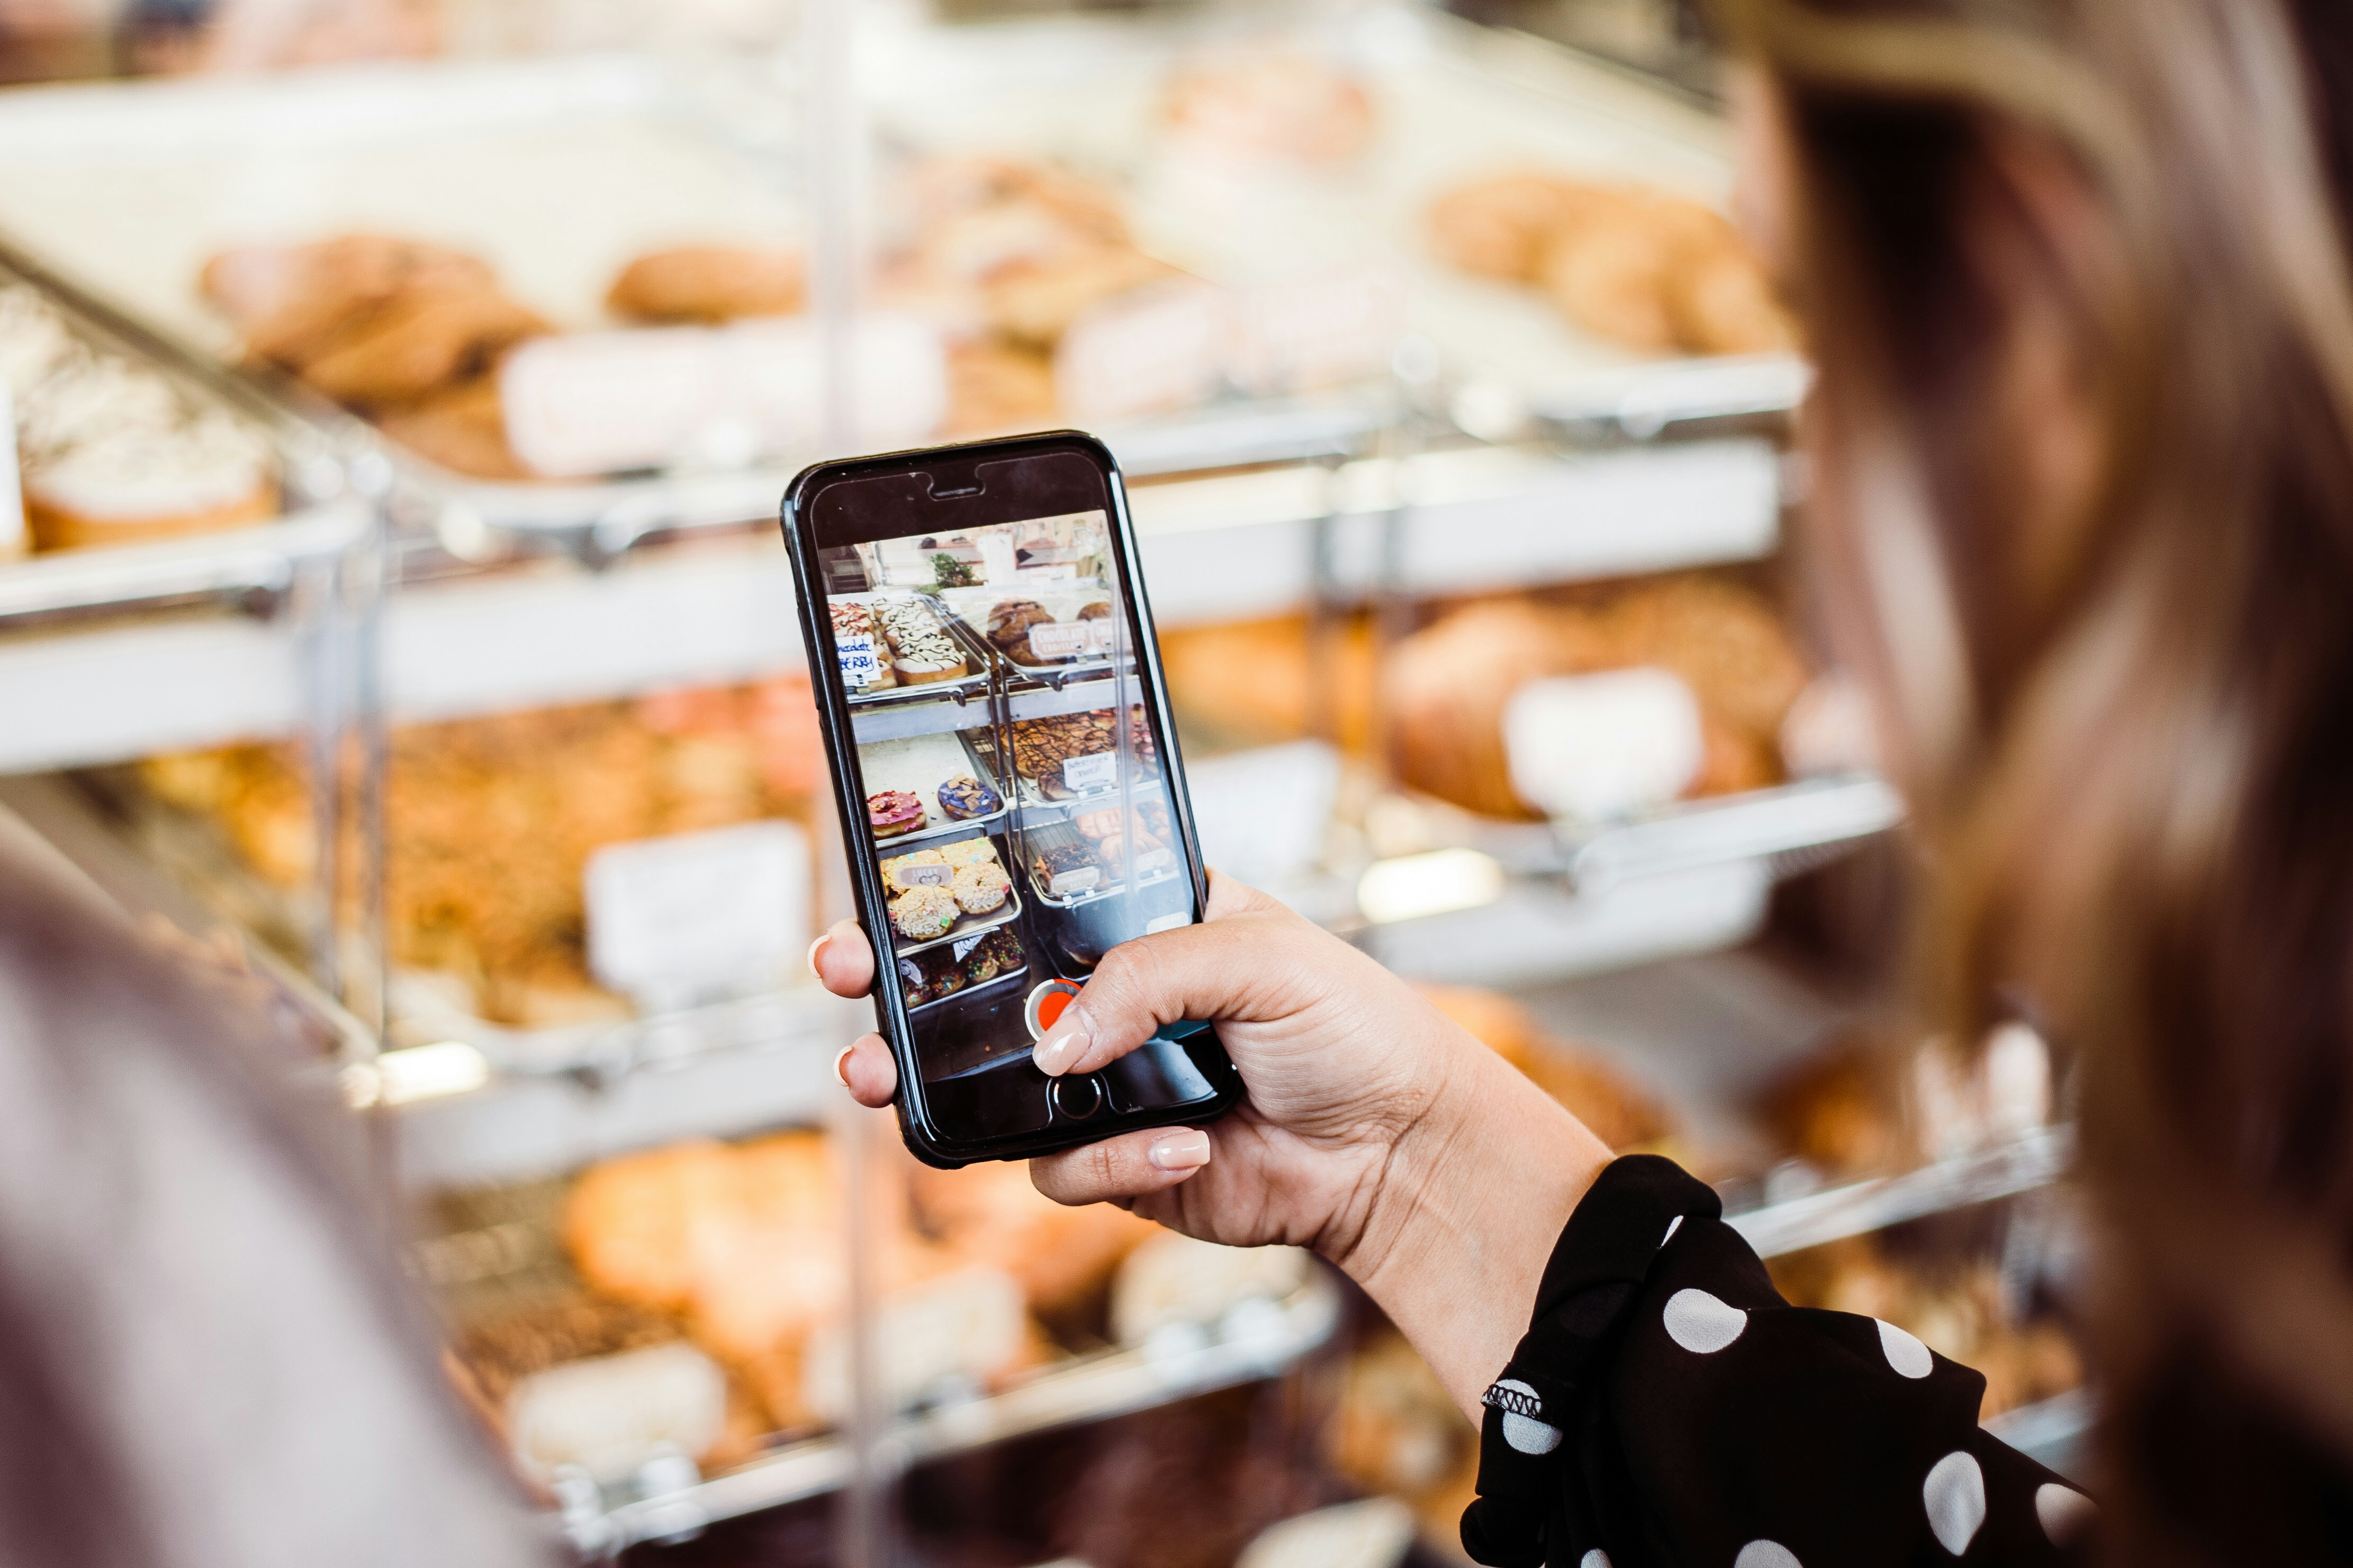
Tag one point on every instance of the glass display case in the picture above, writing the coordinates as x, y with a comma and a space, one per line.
1453, 417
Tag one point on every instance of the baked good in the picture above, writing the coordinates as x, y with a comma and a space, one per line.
1638, 266
420, 343
964, 796
1097, 825
1619, 1112
995, 386
1040, 746
921, 649
893, 812
1272, 108
462, 426
1094, 610
981, 886
710, 283
112, 453
1064, 869
919, 914
894, 870
1499, 225
969, 851
1445, 688
1151, 855
998, 953
1063, 1256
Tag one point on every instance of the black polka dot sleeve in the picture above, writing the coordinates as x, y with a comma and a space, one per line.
1668, 1409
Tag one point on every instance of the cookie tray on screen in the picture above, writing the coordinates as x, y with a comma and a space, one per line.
918, 766
965, 925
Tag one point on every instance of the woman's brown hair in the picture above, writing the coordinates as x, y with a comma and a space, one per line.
2125, 718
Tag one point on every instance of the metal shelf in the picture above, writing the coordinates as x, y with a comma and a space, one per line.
1255, 1339
2036, 1161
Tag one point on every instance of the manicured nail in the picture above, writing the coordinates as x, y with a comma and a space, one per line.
841, 1065
1063, 1043
1185, 1150
815, 948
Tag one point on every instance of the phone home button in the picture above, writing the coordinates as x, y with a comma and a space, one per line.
1074, 1099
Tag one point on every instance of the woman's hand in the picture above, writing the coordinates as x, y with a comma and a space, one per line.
1376, 1132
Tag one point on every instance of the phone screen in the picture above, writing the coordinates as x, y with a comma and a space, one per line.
1016, 785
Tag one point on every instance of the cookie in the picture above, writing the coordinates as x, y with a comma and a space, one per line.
964, 796
462, 428
981, 888
919, 914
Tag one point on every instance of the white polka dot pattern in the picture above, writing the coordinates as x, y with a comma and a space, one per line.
1905, 1354
1596, 1558
2062, 1511
1526, 1433
1702, 1324
1956, 1497
1673, 1226
1765, 1554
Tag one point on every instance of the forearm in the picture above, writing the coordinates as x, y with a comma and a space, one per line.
1473, 1195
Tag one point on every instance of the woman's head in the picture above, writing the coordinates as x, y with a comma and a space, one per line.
2074, 276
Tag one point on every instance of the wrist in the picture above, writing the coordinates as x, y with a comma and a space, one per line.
1464, 1211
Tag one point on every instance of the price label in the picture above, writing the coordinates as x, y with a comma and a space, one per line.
962, 947
925, 875
1098, 772
861, 666
1071, 639
671, 918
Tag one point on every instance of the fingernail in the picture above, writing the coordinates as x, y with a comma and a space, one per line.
840, 1066
1062, 1044
816, 947
1187, 1150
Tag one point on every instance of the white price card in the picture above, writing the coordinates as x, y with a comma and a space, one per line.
1071, 639
1098, 772
1592, 747
860, 665
961, 949
674, 919
939, 875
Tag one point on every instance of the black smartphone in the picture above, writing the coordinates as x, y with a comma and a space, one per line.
1008, 777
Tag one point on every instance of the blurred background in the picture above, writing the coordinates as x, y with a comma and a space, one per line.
401, 392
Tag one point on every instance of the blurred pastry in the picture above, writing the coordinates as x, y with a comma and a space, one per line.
1062, 1256
417, 345
112, 453
463, 427
997, 386
1446, 687
1499, 227
1274, 107
1175, 1279
1617, 1110
1655, 272
710, 283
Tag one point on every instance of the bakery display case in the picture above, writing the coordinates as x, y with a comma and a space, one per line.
1454, 419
